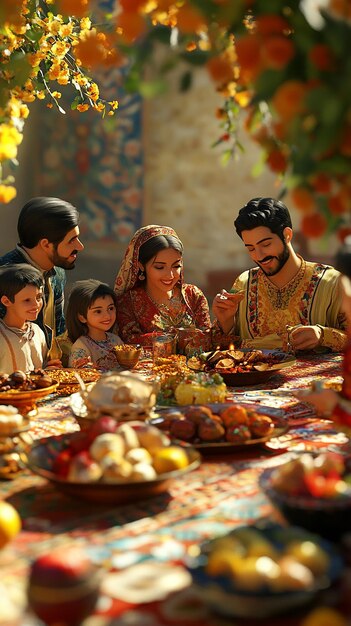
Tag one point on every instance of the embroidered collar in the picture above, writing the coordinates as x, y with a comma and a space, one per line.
27, 333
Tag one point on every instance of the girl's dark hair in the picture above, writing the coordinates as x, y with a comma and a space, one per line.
15, 277
150, 248
83, 295
268, 212
45, 218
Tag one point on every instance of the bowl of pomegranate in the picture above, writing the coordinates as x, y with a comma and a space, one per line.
313, 491
112, 463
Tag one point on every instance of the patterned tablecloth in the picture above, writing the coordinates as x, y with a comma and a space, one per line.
150, 538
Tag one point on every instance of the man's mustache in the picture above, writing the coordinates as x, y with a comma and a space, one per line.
267, 258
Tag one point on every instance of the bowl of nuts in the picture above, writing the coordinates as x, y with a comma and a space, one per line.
128, 355
24, 390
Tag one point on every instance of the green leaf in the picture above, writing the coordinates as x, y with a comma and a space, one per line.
335, 165
4, 93
75, 103
226, 156
34, 34
267, 83
20, 68
258, 168
196, 57
150, 89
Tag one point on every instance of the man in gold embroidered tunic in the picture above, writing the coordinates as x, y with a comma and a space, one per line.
285, 299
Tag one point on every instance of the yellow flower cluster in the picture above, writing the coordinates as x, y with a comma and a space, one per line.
39, 47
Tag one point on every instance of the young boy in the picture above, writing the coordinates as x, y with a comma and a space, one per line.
22, 343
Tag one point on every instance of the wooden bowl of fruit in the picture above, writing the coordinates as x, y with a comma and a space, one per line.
263, 570
112, 463
313, 491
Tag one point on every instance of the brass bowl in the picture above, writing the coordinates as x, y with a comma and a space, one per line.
128, 355
42, 454
26, 401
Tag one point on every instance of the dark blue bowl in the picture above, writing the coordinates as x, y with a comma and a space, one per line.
329, 517
225, 598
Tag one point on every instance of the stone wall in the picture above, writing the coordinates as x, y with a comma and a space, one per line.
186, 185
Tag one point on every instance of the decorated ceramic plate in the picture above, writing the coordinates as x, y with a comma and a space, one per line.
42, 455
279, 426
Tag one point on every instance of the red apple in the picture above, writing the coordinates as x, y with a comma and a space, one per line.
61, 463
63, 586
104, 424
83, 468
79, 442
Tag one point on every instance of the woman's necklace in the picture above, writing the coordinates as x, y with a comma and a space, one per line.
280, 297
174, 299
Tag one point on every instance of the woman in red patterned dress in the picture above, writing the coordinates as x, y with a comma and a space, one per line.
151, 293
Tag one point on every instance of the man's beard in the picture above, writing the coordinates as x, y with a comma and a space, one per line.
61, 261
282, 258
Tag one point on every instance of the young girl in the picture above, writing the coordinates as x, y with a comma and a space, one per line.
91, 313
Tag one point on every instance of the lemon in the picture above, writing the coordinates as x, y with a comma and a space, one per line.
223, 562
324, 616
10, 523
169, 459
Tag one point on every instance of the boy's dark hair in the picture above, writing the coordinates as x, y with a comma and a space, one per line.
15, 277
150, 248
268, 212
45, 218
83, 295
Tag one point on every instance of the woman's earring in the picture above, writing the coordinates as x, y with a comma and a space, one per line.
141, 275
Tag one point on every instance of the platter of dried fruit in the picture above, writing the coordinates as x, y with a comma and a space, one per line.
24, 390
222, 427
242, 367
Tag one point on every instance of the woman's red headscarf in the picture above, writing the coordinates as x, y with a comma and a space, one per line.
129, 270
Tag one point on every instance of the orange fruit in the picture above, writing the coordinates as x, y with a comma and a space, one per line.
10, 523
169, 459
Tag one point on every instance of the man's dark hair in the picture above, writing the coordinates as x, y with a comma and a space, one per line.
14, 278
45, 218
263, 212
